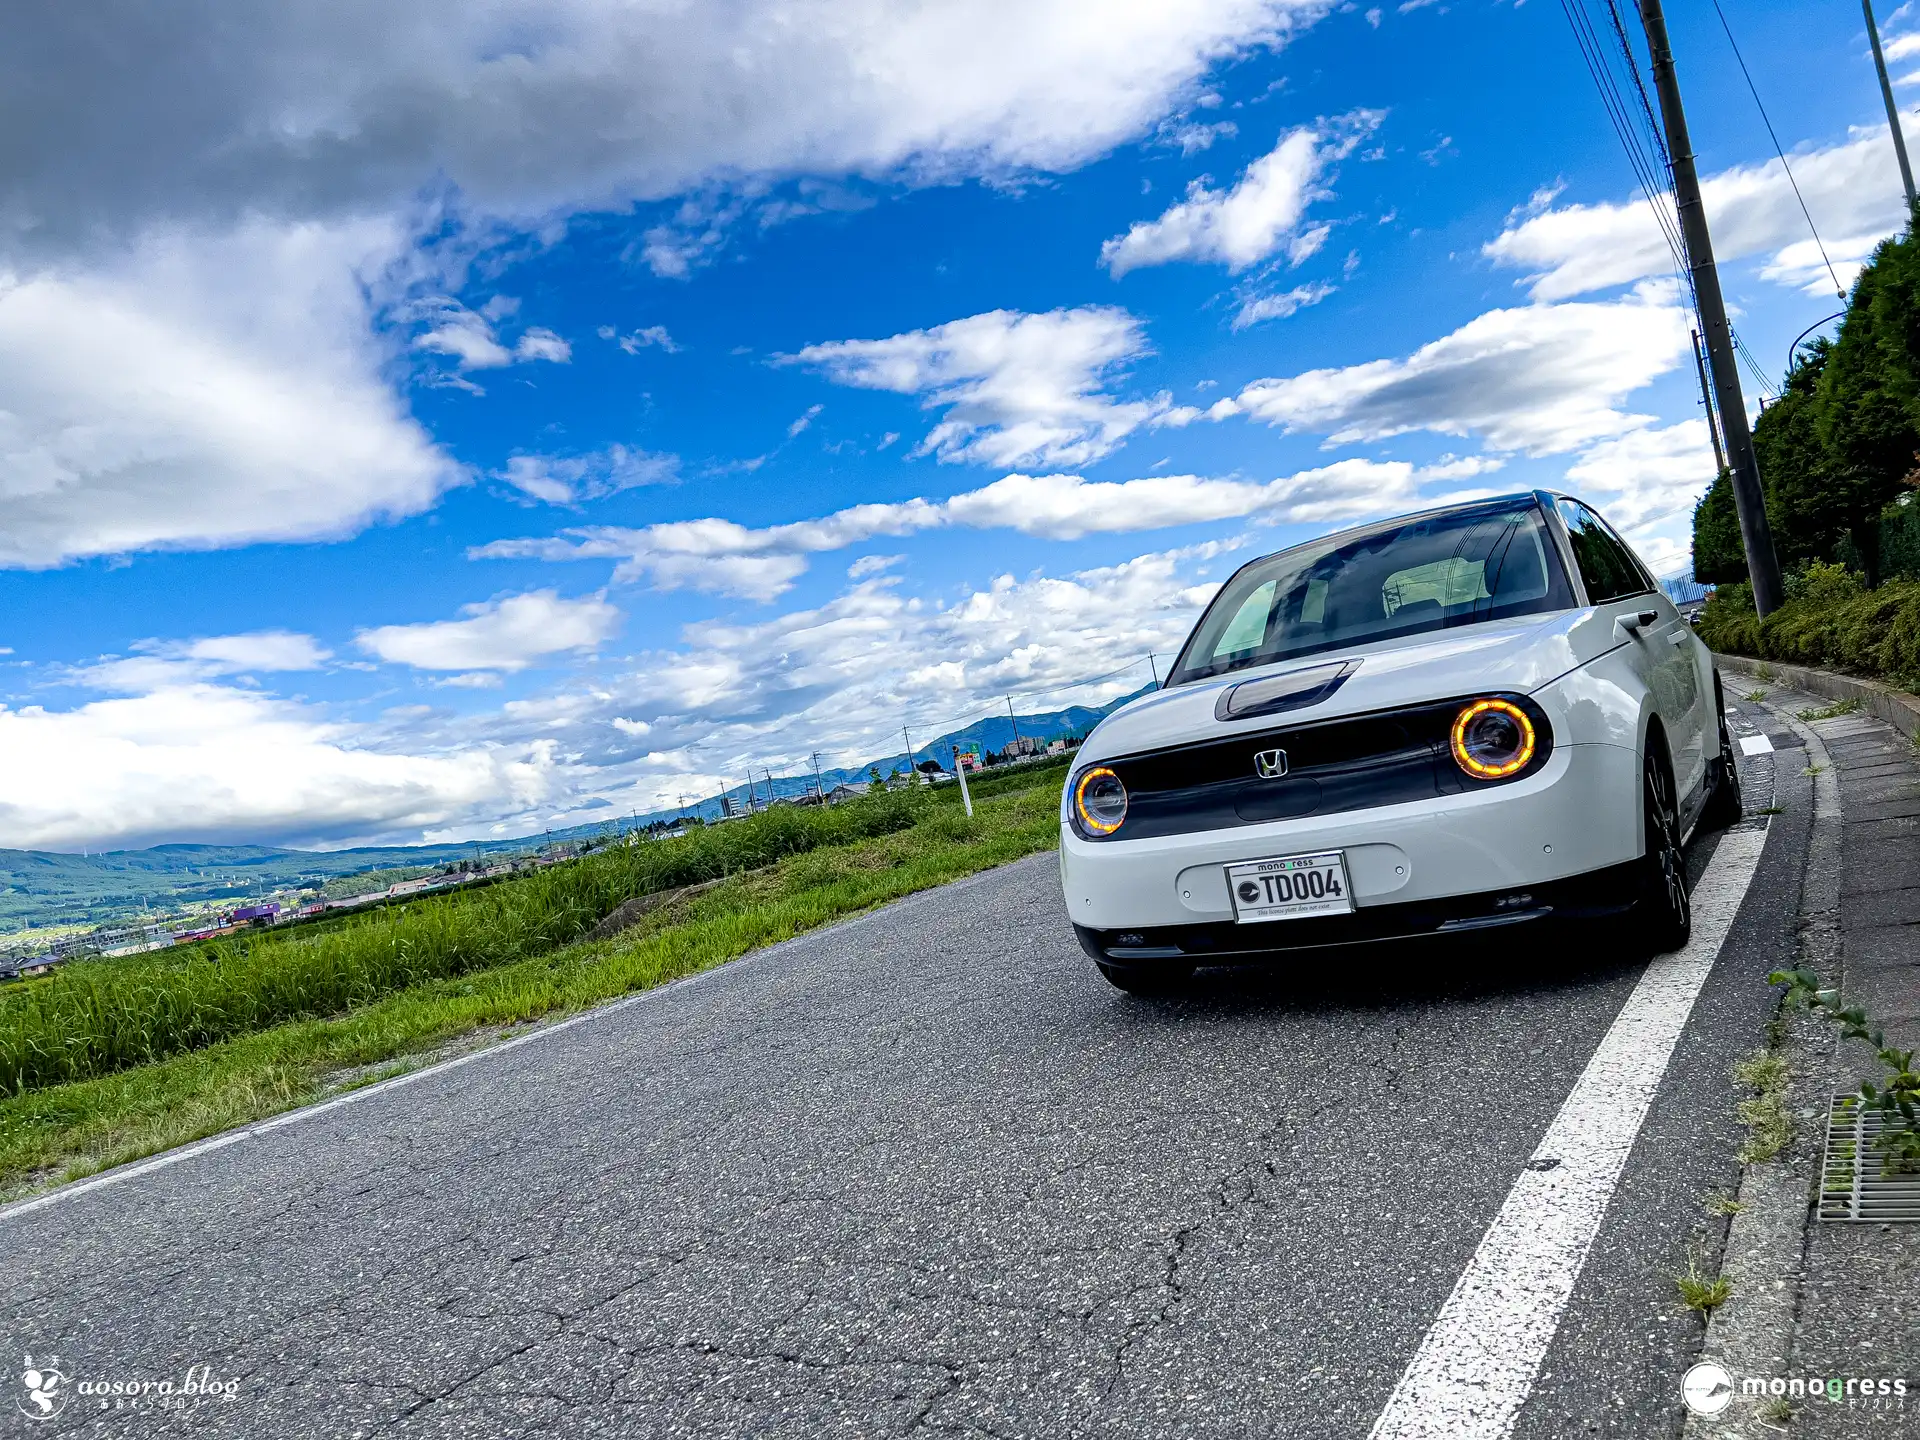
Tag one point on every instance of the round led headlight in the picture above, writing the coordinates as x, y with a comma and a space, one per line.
1493, 739
1100, 800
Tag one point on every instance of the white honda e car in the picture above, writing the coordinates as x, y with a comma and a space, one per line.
1476, 716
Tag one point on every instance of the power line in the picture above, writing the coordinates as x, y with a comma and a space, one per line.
1768, 122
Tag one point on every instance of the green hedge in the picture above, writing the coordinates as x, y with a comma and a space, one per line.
1828, 622
94, 1017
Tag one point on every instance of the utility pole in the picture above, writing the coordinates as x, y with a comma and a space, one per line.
819, 785
1012, 721
1893, 111
913, 771
1153, 665
1706, 399
1756, 536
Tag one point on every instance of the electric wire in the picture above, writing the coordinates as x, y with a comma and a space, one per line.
1766, 120
1649, 158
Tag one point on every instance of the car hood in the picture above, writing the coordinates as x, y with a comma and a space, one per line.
1521, 655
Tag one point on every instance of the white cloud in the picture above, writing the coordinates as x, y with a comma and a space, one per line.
637, 340
540, 343
1851, 189
258, 650
1258, 308
177, 377
530, 109
159, 663
569, 479
806, 419
1260, 215
214, 763
1541, 378
204, 389
1647, 477
729, 558
469, 337
1017, 389
505, 634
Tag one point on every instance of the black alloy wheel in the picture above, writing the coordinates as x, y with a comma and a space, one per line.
1724, 803
1663, 913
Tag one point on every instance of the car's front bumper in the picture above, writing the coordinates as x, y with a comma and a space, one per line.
1580, 815
1581, 897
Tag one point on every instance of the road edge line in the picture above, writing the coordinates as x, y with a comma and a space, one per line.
1476, 1364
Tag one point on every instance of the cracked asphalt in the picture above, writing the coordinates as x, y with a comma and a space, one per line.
923, 1172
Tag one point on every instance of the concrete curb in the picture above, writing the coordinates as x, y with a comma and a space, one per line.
1753, 1333
1896, 707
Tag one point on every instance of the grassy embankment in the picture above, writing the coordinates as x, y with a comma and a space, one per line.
1828, 622
115, 1059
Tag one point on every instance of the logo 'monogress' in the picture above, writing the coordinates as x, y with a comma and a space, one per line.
1270, 764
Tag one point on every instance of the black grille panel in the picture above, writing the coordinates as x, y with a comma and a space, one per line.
1355, 763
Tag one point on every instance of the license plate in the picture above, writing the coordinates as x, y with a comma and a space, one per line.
1290, 887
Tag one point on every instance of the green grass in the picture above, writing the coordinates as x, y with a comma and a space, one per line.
1764, 1113
92, 1018
1848, 706
1703, 1293
60, 1131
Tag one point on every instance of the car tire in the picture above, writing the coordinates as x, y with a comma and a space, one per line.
1663, 912
1143, 980
1724, 805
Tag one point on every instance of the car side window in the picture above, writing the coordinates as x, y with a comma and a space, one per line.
1605, 563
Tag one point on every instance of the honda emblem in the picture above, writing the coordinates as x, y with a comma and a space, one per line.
1270, 764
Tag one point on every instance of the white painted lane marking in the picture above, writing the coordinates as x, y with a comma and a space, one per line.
1755, 745
1476, 1366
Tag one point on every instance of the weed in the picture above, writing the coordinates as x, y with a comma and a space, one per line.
1764, 1113
1813, 770
1771, 810
1897, 1094
1698, 1292
1834, 711
1721, 1203
1763, 672
1756, 696
1774, 1411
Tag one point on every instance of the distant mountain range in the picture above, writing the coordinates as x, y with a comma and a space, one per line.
49, 887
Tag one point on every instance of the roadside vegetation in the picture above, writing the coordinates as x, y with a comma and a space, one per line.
111, 1060
1830, 621
1839, 455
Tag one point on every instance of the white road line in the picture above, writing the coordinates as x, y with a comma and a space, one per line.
1476, 1366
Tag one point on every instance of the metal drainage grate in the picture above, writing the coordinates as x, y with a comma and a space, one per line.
1852, 1186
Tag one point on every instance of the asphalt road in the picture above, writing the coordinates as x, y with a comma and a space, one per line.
921, 1172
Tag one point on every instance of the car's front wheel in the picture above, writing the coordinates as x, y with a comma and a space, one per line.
1144, 980
1724, 806
1663, 911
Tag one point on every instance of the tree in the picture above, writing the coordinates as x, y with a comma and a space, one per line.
1869, 396
1719, 556
1807, 509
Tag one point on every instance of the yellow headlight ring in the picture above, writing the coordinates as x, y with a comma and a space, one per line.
1474, 767
1099, 827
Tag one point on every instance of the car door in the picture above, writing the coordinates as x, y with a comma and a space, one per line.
1620, 588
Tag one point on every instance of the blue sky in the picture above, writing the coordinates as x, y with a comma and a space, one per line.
488, 421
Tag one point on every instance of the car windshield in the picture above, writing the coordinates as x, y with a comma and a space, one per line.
1402, 578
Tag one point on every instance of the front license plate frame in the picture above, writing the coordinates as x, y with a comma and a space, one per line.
1284, 886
